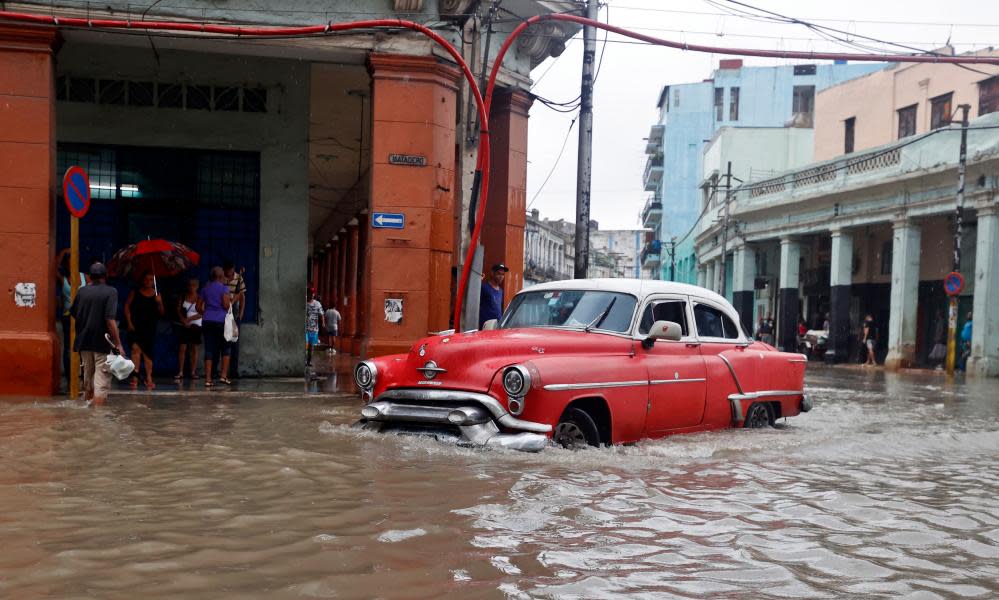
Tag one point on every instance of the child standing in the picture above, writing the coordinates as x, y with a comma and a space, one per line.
313, 319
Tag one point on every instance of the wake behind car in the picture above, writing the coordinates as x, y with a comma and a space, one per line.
586, 362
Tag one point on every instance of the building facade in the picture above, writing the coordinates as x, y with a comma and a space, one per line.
273, 153
901, 101
689, 114
871, 233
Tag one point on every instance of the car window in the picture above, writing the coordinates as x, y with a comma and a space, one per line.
570, 308
712, 322
668, 310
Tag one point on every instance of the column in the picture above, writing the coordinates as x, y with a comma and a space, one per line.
343, 300
904, 295
702, 277
710, 277
363, 283
353, 277
787, 310
29, 350
984, 360
840, 280
413, 113
506, 209
744, 284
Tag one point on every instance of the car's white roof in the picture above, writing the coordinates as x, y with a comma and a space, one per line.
638, 287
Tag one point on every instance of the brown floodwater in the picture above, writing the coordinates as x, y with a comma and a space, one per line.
889, 488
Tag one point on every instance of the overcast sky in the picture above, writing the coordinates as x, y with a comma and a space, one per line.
632, 75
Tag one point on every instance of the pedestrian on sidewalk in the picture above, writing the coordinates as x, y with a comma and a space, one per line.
189, 333
491, 296
332, 324
765, 331
94, 309
143, 310
314, 318
965, 344
215, 302
237, 291
869, 339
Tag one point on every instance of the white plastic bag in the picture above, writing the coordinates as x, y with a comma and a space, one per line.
230, 330
119, 366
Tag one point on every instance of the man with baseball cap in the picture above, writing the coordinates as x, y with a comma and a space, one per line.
95, 308
491, 298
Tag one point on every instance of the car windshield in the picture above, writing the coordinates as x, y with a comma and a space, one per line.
571, 308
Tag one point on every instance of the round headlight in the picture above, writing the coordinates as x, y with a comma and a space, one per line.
516, 381
364, 375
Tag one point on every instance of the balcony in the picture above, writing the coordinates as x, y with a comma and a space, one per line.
654, 142
653, 172
650, 253
652, 212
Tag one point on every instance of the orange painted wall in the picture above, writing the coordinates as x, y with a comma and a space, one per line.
29, 351
506, 210
413, 112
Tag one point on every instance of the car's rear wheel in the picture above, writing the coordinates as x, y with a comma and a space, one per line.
576, 429
759, 416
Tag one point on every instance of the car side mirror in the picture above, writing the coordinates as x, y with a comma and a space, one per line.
490, 324
663, 330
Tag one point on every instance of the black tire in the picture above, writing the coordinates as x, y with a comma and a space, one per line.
759, 416
575, 430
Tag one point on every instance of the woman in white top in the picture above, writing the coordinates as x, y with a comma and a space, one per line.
189, 334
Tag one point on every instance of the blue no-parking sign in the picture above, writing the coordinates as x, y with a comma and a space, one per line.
953, 283
76, 191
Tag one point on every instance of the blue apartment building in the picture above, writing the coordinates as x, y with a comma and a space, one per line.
689, 115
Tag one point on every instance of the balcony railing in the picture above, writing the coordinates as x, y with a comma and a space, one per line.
655, 141
650, 253
652, 212
653, 172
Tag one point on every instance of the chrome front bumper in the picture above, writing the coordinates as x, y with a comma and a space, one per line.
475, 419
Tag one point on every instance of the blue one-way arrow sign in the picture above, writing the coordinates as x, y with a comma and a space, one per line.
384, 220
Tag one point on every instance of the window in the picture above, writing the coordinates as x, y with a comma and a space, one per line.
886, 257
733, 104
607, 311
676, 98
255, 100
226, 98
988, 96
719, 104
941, 110
803, 104
906, 121
141, 93
713, 323
671, 310
170, 95
804, 69
112, 91
849, 126
82, 89
199, 97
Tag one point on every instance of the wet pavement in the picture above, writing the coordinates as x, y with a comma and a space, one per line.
889, 488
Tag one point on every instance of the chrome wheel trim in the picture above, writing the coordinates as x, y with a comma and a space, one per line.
569, 435
758, 417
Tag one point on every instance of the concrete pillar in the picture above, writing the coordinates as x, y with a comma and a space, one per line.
353, 277
787, 310
413, 113
904, 294
984, 360
743, 284
344, 301
506, 209
710, 278
840, 280
702, 277
29, 351
363, 291
335, 271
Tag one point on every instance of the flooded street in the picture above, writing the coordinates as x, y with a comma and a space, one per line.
889, 488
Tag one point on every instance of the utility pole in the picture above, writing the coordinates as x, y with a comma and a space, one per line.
672, 258
958, 225
724, 248
584, 162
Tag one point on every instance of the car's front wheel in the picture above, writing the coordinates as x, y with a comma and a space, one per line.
758, 416
576, 429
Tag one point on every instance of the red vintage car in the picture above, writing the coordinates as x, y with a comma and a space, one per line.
586, 362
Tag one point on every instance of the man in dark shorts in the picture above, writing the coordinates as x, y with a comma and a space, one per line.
94, 309
869, 339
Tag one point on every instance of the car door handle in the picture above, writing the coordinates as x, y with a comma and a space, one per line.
693, 344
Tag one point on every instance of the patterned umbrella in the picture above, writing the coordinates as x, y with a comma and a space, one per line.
160, 257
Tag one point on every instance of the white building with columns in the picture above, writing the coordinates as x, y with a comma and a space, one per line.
869, 233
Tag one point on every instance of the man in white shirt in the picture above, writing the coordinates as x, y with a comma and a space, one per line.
332, 324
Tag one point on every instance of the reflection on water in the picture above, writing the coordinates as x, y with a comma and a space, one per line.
889, 488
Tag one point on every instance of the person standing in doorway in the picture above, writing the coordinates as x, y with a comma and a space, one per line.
314, 318
332, 324
215, 303
143, 310
766, 330
237, 291
965, 344
869, 338
189, 332
94, 309
491, 297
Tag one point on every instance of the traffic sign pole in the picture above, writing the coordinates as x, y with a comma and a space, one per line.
74, 286
953, 286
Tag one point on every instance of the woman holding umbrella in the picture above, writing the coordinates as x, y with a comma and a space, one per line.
143, 309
